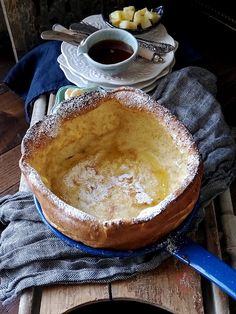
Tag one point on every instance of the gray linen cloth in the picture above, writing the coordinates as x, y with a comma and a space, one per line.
32, 256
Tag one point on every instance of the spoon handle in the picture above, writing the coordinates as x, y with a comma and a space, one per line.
157, 47
74, 39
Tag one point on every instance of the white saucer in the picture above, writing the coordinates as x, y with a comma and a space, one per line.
78, 80
140, 70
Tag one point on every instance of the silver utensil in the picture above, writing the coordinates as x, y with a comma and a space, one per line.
77, 37
159, 48
74, 36
68, 37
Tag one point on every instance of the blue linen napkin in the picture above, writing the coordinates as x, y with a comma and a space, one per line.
38, 72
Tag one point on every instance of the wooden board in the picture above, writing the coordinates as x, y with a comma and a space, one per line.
11, 177
59, 299
12, 121
173, 286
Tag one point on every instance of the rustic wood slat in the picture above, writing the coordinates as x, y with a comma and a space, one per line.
11, 190
27, 300
9, 161
61, 298
12, 122
39, 111
219, 300
228, 219
11, 131
12, 103
3, 27
30, 301
51, 102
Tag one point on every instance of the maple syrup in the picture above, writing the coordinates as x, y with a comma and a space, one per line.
110, 51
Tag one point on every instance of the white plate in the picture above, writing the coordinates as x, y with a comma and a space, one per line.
81, 83
78, 80
140, 70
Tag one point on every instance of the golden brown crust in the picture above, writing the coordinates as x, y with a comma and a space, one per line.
119, 234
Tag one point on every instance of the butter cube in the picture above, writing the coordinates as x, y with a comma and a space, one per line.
128, 25
115, 22
145, 22
154, 17
128, 13
137, 18
116, 15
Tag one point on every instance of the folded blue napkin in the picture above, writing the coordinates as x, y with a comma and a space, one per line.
38, 72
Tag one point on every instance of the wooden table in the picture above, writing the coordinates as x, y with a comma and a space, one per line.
172, 286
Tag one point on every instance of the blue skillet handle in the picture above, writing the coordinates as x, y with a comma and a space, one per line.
207, 265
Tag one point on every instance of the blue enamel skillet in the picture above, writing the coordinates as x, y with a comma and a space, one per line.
177, 244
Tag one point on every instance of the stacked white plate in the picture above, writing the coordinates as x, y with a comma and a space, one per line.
141, 74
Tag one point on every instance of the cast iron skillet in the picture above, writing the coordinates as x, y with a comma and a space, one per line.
176, 244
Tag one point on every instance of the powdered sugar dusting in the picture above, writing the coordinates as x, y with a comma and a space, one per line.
84, 103
151, 212
71, 211
97, 186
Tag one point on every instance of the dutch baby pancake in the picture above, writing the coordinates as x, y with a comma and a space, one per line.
112, 169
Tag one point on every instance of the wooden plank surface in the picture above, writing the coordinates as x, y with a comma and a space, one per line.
172, 286
12, 123
11, 177
219, 300
61, 298
11, 190
10, 102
